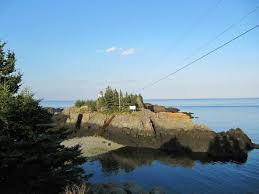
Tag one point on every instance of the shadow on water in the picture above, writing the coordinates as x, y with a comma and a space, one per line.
129, 158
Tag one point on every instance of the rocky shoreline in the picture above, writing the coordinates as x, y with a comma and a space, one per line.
172, 132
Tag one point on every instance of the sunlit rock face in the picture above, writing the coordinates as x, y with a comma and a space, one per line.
172, 132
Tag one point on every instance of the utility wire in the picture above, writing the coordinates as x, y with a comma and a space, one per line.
199, 21
206, 44
198, 59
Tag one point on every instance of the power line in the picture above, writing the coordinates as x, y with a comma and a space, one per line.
206, 44
198, 59
201, 18
198, 22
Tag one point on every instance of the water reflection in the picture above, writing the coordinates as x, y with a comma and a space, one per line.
129, 158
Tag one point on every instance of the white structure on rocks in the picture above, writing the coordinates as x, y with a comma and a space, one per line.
132, 108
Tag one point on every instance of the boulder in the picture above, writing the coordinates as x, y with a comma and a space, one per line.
231, 144
157, 108
172, 109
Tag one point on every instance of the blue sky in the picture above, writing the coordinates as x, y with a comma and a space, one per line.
72, 49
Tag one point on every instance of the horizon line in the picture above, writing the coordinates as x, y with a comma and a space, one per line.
212, 98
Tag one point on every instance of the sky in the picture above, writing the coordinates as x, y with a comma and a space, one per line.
71, 50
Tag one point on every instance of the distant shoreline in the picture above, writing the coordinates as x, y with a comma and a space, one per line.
179, 103
156, 99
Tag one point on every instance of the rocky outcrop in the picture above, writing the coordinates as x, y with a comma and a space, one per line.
157, 108
233, 143
170, 132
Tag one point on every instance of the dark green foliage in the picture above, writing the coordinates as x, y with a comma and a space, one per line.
100, 103
110, 99
32, 160
91, 104
8, 75
80, 103
114, 101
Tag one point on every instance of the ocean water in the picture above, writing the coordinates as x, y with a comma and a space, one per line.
186, 174
57, 103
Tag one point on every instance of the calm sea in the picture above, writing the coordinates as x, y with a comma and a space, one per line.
188, 175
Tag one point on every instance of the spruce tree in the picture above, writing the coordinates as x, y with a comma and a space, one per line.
8, 75
32, 158
116, 100
109, 98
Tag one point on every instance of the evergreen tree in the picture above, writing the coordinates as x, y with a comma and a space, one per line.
116, 100
8, 75
109, 99
121, 94
140, 101
32, 157
121, 100
100, 104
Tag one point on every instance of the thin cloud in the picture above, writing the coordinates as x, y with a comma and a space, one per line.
121, 51
129, 51
112, 49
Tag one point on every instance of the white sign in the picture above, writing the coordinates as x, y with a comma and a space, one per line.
133, 108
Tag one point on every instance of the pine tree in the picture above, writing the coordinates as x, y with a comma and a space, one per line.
8, 75
121, 101
109, 98
110, 101
116, 100
32, 157
140, 101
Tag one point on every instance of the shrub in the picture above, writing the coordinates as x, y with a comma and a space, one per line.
91, 104
80, 103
